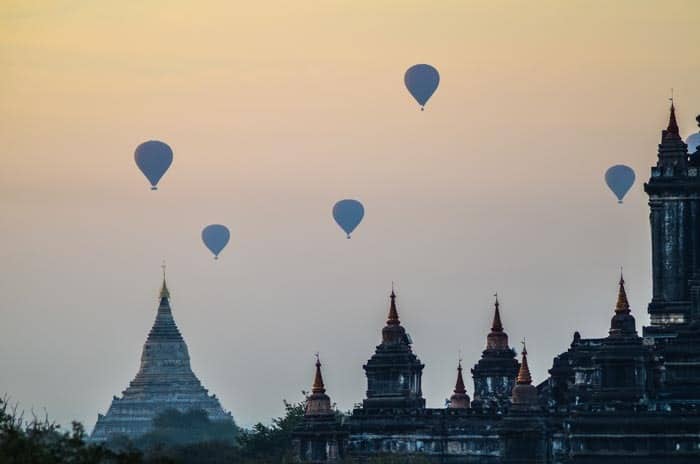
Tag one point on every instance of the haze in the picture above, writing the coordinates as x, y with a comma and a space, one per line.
275, 110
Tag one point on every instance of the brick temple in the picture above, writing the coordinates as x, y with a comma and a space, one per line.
623, 398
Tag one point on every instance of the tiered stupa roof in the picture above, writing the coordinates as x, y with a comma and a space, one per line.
164, 381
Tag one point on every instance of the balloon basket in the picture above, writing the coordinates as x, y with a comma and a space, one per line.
154, 188
619, 202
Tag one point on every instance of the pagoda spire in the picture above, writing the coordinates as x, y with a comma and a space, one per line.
673, 152
524, 377
622, 305
318, 386
393, 332
524, 395
318, 403
671, 140
164, 292
497, 339
496, 326
459, 399
459, 386
393, 318
622, 323
672, 123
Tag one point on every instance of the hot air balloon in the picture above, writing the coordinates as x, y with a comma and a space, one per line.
348, 214
619, 179
153, 158
693, 140
215, 237
422, 80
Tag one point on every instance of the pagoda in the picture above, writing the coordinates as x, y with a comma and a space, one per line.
394, 371
494, 375
164, 381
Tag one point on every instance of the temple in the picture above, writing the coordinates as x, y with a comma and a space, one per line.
164, 381
631, 396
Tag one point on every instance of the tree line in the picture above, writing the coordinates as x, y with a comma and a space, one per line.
176, 438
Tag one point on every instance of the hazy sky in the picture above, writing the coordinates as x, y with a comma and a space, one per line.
275, 110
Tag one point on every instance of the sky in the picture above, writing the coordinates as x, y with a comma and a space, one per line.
275, 111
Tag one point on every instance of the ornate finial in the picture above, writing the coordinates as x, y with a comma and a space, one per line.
459, 385
164, 293
672, 124
393, 318
524, 377
496, 326
622, 305
318, 386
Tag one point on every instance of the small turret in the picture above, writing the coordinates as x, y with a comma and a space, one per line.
622, 323
497, 339
524, 393
495, 373
394, 371
460, 399
318, 403
393, 332
673, 153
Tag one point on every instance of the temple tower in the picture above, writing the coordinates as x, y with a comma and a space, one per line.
674, 199
524, 395
625, 369
494, 374
319, 437
523, 430
459, 399
394, 371
164, 381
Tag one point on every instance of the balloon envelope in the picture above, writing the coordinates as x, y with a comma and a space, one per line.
693, 142
153, 158
619, 179
348, 214
422, 80
215, 237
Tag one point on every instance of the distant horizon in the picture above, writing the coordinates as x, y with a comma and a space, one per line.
275, 112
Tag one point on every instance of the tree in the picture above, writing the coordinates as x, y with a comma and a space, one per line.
40, 441
274, 443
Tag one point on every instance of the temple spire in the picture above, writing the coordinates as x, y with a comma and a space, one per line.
672, 123
524, 377
459, 399
318, 403
524, 395
622, 322
496, 326
164, 293
459, 385
318, 386
497, 339
622, 305
393, 318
